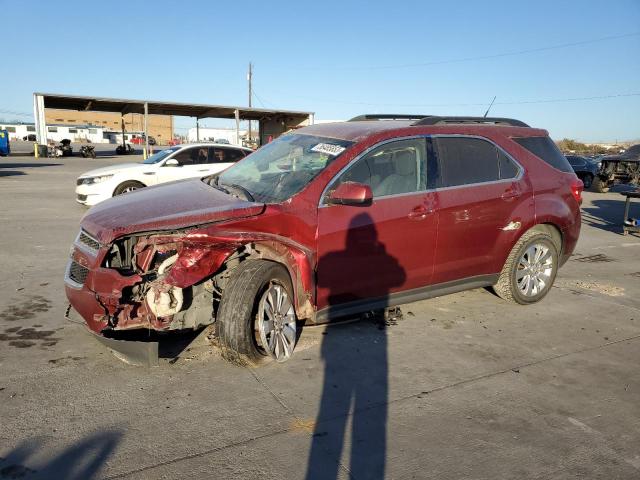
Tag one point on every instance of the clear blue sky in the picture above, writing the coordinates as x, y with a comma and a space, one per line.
328, 57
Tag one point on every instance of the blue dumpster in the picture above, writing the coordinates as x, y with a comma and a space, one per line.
5, 148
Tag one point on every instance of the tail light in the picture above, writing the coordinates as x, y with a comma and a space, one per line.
576, 189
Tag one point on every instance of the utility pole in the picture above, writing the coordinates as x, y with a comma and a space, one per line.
249, 75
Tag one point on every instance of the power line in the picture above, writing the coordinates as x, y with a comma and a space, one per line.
11, 112
481, 57
262, 101
470, 104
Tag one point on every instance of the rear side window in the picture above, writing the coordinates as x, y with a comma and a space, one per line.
463, 161
507, 168
545, 149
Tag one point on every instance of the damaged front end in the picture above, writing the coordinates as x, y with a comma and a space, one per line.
160, 281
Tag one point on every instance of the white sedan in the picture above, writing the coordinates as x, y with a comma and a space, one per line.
174, 163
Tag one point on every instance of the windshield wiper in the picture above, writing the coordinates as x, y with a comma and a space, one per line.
244, 191
215, 183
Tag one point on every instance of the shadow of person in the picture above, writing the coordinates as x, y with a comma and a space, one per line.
355, 362
80, 461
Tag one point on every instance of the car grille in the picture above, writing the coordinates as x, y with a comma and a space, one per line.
82, 198
88, 241
77, 273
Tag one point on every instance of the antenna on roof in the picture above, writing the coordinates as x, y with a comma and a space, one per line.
490, 105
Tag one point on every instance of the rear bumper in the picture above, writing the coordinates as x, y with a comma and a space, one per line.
570, 236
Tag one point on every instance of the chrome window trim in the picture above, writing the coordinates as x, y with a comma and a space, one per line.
518, 177
362, 154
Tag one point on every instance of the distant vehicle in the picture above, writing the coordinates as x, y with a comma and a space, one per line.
222, 141
585, 168
173, 142
620, 168
174, 163
88, 151
5, 144
29, 138
65, 146
63, 149
126, 149
141, 140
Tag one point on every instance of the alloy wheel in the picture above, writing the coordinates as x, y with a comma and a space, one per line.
534, 270
276, 323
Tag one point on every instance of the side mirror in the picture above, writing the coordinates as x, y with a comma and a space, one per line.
172, 162
351, 193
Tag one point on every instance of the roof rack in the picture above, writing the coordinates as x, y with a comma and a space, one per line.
386, 116
436, 120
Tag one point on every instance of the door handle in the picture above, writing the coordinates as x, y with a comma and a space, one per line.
420, 213
205, 170
510, 193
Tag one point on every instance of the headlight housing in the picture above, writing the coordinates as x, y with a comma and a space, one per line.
92, 180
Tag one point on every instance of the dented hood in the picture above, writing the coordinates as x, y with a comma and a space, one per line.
165, 207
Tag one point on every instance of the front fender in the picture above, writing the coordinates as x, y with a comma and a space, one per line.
202, 255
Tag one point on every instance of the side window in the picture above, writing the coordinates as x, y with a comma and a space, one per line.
546, 150
506, 167
224, 155
463, 161
188, 156
391, 169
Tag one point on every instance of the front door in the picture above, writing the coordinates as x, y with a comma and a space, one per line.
368, 253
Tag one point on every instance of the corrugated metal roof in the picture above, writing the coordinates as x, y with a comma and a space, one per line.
155, 107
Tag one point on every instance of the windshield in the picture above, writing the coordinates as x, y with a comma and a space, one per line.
161, 155
282, 168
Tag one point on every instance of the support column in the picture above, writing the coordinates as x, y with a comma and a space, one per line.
197, 129
237, 112
146, 132
40, 123
124, 146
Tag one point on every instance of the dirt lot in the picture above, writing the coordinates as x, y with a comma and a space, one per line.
464, 386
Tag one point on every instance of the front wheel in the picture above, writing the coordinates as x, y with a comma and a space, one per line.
587, 180
530, 269
599, 185
256, 317
128, 186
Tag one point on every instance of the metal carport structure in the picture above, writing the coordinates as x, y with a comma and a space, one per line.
272, 123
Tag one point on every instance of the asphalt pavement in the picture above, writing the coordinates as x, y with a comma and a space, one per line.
463, 386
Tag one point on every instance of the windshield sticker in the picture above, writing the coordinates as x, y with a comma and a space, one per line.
328, 148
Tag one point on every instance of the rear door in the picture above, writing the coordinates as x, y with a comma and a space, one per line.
484, 198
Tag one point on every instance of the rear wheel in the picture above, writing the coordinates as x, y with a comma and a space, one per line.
599, 185
128, 186
256, 317
530, 269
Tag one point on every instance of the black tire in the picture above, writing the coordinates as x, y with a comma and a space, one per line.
599, 185
237, 312
507, 286
587, 180
93, 154
127, 186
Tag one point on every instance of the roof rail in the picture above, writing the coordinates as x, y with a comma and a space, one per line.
436, 120
386, 116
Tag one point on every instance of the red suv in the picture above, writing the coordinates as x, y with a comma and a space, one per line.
332, 220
